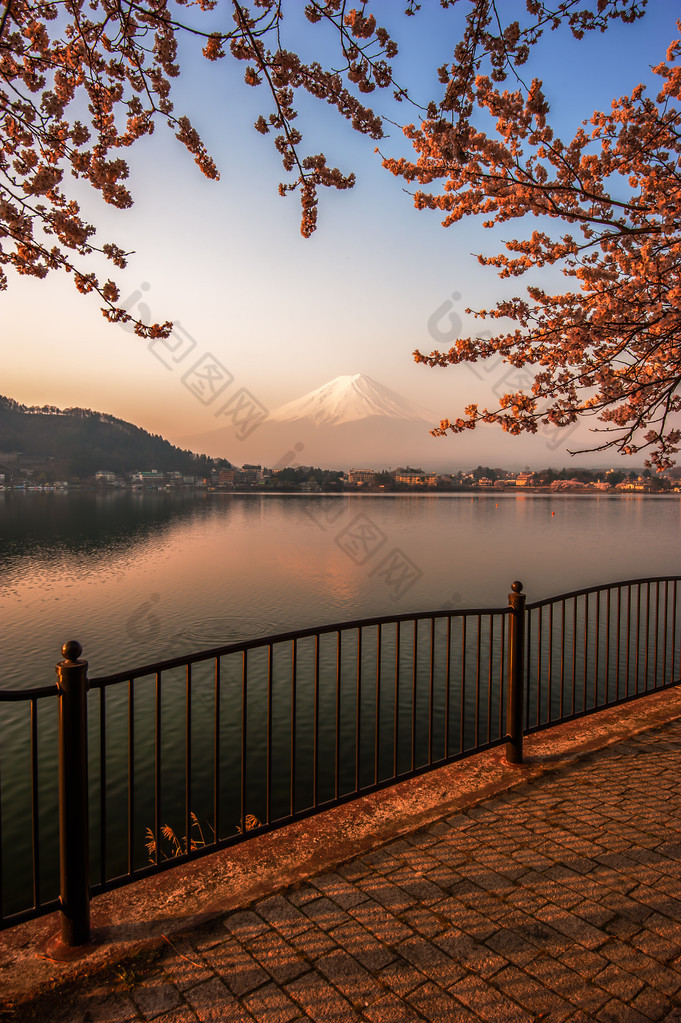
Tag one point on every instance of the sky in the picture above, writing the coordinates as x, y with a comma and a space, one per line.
283, 314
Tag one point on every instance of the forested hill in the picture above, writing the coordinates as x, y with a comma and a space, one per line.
82, 441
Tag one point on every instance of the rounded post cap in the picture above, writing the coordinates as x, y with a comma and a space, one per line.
517, 587
72, 650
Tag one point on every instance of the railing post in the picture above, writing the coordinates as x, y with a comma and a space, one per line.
73, 797
516, 680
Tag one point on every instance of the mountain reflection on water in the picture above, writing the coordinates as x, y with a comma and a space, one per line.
84, 522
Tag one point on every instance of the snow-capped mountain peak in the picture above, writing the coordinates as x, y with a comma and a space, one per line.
347, 399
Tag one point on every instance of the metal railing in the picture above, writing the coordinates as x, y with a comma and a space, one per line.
179, 758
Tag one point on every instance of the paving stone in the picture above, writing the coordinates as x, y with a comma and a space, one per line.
532, 996
430, 960
319, 999
325, 914
426, 923
360, 943
619, 1012
351, 979
338, 889
155, 996
618, 982
393, 897
213, 1003
100, 1007
512, 946
380, 922
470, 954
299, 896
236, 967
488, 1003
182, 1015
466, 919
312, 943
275, 955
389, 1009
185, 965
270, 1004
401, 976
279, 912
438, 1006
652, 1004
567, 983
572, 926
245, 925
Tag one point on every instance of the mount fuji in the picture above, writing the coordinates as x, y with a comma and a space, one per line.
351, 421
347, 399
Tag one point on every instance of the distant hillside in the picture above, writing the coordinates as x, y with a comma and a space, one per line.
82, 441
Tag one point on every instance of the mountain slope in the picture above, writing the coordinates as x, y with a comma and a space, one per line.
81, 441
347, 399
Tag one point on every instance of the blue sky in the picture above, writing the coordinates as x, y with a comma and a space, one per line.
283, 314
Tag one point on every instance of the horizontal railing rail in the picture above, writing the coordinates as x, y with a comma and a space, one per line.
175, 759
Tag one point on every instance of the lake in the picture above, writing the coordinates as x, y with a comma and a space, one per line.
136, 577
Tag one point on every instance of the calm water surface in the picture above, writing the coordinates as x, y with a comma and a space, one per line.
138, 577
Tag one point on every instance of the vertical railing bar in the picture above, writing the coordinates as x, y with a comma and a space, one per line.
654, 641
102, 785
431, 690
574, 652
586, 648
646, 660
607, 646
35, 818
489, 680
131, 775
216, 753
315, 751
462, 710
619, 641
528, 661
550, 674
540, 626
338, 710
477, 684
396, 722
244, 737
626, 687
562, 660
377, 733
188, 760
158, 747
638, 632
674, 631
502, 673
665, 628
358, 708
293, 711
448, 672
598, 646
268, 782
413, 695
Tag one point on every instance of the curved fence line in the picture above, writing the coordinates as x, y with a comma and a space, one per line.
175, 759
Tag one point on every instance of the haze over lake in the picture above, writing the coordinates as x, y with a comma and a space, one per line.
139, 577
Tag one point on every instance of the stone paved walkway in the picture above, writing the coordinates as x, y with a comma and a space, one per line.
558, 900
